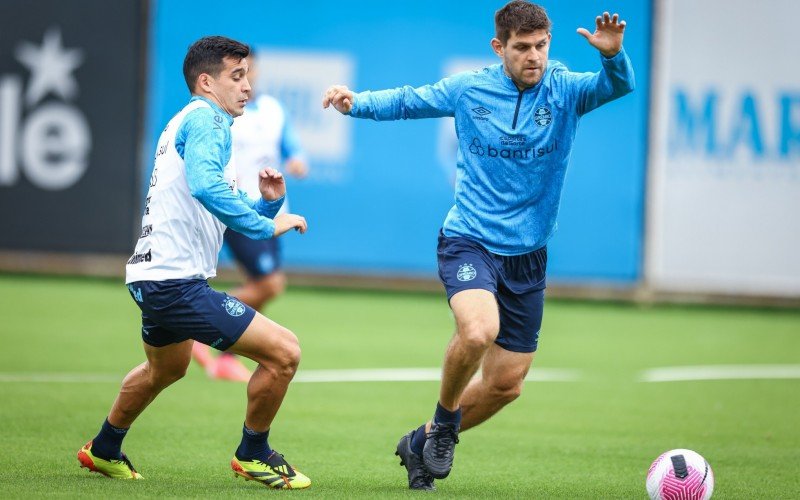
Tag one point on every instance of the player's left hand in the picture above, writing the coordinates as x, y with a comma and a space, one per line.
607, 37
271, 184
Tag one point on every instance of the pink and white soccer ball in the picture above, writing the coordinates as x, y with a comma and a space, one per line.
680, 475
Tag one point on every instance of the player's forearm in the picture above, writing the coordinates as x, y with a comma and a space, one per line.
233, 211
618, 72
378, 105
269, 209
613, 81
266, 208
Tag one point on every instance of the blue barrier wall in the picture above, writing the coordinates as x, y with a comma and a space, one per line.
379, 192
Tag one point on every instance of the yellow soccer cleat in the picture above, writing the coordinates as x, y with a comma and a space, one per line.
274, 473
115, 469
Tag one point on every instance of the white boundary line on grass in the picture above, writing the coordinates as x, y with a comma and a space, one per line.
70, 378
306, 376
417, 375
720, 372
664, 374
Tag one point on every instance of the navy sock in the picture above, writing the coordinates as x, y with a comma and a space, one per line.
418, 440
445, 416
254, 445
108, 442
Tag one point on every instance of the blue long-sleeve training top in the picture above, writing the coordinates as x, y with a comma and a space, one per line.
513, 146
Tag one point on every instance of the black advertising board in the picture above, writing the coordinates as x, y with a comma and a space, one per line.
70, 124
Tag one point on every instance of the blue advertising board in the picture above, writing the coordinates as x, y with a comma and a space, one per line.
377, 193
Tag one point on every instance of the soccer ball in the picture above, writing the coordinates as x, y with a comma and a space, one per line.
680, 475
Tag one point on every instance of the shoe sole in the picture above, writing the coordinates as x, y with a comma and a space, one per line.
437, 474
402, 462
397, 452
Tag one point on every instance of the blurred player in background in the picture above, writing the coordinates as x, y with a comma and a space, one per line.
192, 198
262, 137
516, 123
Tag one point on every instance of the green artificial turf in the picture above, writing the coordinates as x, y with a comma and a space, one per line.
590, 438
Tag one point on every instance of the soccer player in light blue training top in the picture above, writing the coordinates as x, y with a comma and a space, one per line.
192, 198
516, 123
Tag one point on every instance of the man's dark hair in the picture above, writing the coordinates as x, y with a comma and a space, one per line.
521, 17
206, 56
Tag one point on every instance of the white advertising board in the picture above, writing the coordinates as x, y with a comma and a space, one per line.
724, 165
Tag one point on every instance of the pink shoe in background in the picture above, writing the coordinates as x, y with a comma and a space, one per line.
229, 367
202, 354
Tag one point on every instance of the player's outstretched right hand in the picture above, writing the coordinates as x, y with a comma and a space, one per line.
285, 222
340, 97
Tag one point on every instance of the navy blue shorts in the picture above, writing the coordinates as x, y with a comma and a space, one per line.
258, 257
517, 281
178, 310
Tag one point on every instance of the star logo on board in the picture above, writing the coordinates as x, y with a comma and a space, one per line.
51, 66
51, 140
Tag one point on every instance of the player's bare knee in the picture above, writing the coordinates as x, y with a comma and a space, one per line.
506, 389
271, 287
291, 357
476, 342
287, 356
277, 285
264, 294
478, 335
162, 377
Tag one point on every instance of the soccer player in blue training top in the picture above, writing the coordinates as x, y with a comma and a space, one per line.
192, 198
263, 135
516, 123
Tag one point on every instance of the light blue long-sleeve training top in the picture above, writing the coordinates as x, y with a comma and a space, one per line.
203, 140
513, 146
